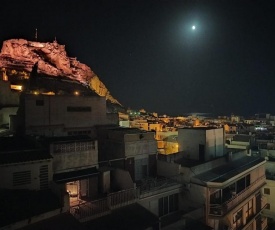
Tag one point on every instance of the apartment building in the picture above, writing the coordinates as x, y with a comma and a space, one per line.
269, 189
130, 149
201, 143
167, 141
24, 166
9, 102
27, 191
62, 115
75, 165
228, 188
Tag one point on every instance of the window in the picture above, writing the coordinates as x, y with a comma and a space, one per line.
267, 206
237, 218
249, 210
267, 191
73, 147
168, 204
173, 203
21, 178
241, 184
39, 102
44, 180
79, 109
163, 206
247, 180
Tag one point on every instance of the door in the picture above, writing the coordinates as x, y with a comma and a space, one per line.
201, 152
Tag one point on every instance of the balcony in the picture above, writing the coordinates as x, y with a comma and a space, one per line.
263, 202
222, 209
155, 186
93, 209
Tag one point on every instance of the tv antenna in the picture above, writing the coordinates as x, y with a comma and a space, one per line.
35, 34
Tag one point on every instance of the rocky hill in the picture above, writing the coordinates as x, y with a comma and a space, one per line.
19, 56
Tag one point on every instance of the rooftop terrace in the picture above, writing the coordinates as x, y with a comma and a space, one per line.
226, 171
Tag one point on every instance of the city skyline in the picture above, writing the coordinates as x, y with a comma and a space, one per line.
149, 56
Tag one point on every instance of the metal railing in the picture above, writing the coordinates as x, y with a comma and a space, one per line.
221, 209
263, 202
122, 198
154, 184
93, 209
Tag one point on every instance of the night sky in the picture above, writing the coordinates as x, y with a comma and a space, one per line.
148, 56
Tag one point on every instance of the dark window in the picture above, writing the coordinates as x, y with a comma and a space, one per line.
39, 102
173, 203
161, 207
247, 180
201, 152
168, 204
249, 210
165, 205
267, 206
267, 191
237, 218
241, 185
79, 109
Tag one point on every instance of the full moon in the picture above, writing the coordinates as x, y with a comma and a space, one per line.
193, 27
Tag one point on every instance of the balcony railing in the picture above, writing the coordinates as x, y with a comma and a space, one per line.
264, 223
94, 209
263, 202
149, 186
221, 209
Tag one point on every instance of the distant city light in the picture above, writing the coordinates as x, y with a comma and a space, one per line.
16, 87
76, 93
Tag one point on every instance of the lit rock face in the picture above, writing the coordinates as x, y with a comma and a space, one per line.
52, 59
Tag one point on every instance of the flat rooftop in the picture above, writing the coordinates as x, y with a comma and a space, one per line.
229, 170
23, 156
128, 130
62, 221
20, 149
200, 128
20, 205
16, 143
185, 162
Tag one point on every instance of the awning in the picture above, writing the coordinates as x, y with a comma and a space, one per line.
75, 175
